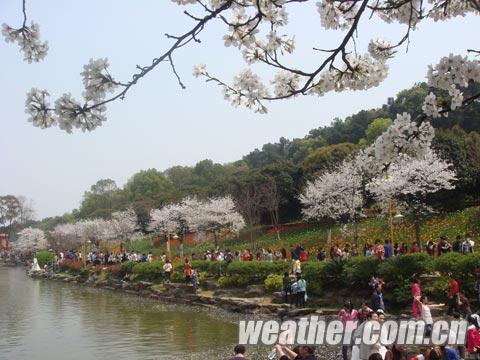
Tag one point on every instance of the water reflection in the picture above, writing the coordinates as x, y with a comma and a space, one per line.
46, 319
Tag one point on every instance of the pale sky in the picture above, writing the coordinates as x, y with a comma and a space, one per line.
159, 125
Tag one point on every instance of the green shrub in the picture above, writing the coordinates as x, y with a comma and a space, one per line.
202, 277
398, 273
44, 257
467, 271
234, 281
437, 289
146, 271
358, 271
399, 295
127, 267
177, 276
312, 272
448, 263
140, 246
273, 282
398, 269
256, 271
213, 268
331, 274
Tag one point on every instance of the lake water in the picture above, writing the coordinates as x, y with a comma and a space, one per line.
41, 319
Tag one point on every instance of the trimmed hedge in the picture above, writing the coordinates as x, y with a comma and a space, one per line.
146, 271
354, 273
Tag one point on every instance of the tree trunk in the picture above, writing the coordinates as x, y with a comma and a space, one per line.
329, 234
215, 239
167, 242
181, 243
417, 231
355, 233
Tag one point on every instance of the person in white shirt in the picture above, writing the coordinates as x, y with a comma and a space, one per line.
167, 269
426, 315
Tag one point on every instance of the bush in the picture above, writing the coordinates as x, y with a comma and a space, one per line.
331, 274
117, 271
146, 271
358, 271
127, 267
398, 273
273, 283
398, 269
448, 263
44, 258
437, 289
256, 271
312, 272
73, 267
202, 277
213, 268
467, 271
234, 281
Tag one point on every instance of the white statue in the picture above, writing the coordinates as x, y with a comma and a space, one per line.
35, 266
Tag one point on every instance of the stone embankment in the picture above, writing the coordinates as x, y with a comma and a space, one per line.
251, 301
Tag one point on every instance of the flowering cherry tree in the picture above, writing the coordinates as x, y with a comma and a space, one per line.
216, 215
31, 239
409, 182
335, 195
259, 30
123, 225
176, 218
66, 236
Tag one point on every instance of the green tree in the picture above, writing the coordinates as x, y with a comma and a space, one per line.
149, 184
103, 198
462, 149
376, 128
326, 158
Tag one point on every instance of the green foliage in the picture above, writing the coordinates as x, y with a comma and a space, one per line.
462, 149
376, 128
128, 266
146, 271
331, 274
213, 268
359, 270
140, 246
312, 273
256, 271
448, 263
44, 258
234, 281
328, 157
148, 184
437, 289
400, 270
467, 271
103, 198
273, 282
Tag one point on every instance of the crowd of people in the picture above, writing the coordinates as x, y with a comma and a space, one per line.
385, 250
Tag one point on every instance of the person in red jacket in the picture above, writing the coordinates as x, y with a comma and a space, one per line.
473, 338
453, 292
303, 255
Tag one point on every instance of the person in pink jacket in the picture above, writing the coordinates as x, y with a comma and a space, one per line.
416, 293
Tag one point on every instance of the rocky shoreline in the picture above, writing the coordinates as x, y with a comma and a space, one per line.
180, 293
